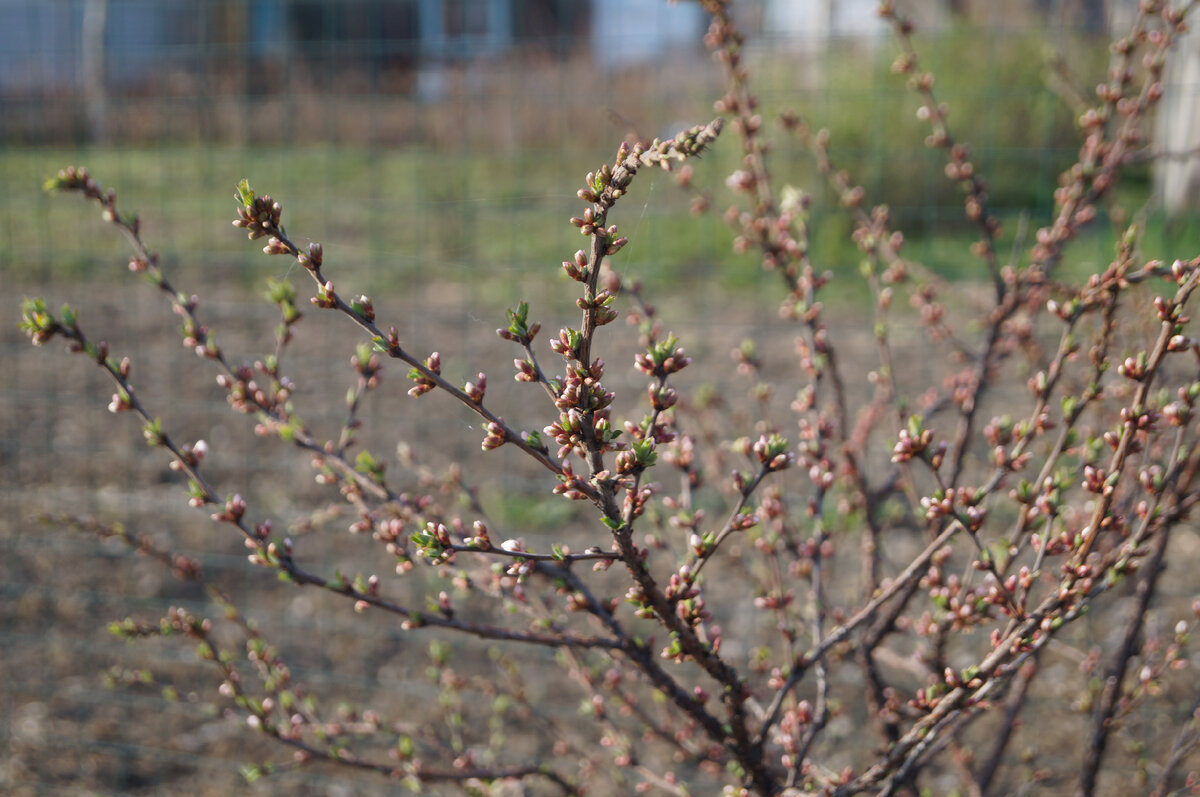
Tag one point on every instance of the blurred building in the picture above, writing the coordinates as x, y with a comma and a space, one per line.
66, 64
44, 43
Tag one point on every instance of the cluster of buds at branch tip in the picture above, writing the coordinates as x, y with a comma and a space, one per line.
686, 144
519, 330
609, 183
772, 452
914, 442
258, 215
662, 358
74, 178
40, 324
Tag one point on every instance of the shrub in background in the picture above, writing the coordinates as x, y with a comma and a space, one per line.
864, 593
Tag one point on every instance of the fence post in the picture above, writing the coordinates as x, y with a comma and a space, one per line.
91, 69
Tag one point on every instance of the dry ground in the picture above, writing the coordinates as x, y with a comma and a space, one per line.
63, 732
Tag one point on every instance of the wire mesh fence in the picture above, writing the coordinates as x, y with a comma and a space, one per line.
435, 149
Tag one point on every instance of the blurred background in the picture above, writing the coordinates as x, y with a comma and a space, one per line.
434, 147
430, 131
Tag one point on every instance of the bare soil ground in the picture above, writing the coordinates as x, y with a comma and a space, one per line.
64, 732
